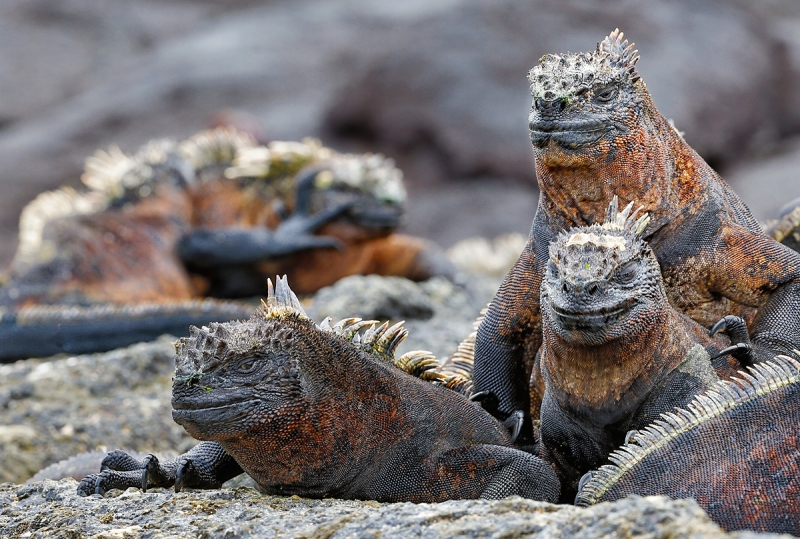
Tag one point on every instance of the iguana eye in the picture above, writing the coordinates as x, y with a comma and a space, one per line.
606, 94
247, 366
627, 273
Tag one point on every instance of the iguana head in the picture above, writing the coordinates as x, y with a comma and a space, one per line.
601, 280
236, 378
585, 100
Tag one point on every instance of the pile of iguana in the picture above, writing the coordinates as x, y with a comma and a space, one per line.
211, 216
324, 411
596, 133
611, 330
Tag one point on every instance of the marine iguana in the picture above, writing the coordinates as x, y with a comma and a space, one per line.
595, 133
322, 411
734, 449
615, 353
210, 216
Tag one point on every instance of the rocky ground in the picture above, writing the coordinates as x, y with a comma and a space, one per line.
52, 509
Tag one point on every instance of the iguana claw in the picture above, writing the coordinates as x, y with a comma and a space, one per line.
741, 348
185, 469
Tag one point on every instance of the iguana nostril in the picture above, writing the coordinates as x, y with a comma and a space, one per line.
592, 289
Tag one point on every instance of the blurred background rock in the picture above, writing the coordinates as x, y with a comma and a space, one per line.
440, 85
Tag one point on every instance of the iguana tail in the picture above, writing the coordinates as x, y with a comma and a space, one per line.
52, 329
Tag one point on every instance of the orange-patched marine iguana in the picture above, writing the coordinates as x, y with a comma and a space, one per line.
595, 133
210, 217
615, 354
324, 411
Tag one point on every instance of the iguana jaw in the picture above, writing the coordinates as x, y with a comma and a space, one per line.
591, 320
215, 422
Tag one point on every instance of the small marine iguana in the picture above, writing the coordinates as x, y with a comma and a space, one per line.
322, 411
734, 449
211, 216
595, 133
615, 353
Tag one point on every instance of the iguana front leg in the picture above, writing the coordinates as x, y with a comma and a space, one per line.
510, 334
205, 466
207, 247
755, 270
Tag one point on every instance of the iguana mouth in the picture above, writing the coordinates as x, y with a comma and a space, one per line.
568, 135
592, 319
212, 414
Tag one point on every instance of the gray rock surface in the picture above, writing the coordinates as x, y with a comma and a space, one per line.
112, 400
53, 509
778, 175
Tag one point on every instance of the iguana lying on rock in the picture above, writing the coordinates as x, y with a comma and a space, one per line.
321, 411
211, 216
595, 133
615, 353
734, 449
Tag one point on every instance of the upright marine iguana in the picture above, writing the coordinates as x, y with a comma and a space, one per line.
734, 449
615, 353
595, 133
210, 216
322, 411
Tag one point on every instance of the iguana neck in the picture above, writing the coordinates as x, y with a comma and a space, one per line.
650, 164
614, 378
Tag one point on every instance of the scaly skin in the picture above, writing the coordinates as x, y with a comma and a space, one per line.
615, 354
321, 411
596, 133
734, 449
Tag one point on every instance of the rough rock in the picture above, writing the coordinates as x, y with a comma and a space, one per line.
116, 399
53, 509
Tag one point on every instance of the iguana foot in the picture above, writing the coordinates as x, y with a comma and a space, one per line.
741, 348
488, 401
205, 247
205, 466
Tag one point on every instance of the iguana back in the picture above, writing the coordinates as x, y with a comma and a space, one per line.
735, 449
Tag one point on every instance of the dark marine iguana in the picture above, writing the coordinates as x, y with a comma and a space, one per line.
595, 133
615, 353
321, 411
734, 449
211, 216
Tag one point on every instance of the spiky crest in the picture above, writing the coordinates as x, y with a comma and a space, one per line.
563, 76
727, 395
281, 302
625, 220
214, 146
